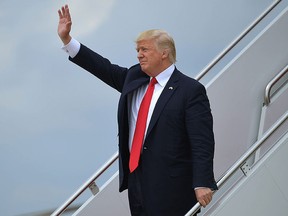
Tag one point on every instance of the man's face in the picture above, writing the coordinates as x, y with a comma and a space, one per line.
149, 57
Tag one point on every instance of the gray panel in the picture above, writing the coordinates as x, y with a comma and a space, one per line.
277, 166
236, 94
271, 113
264, 192
107, 202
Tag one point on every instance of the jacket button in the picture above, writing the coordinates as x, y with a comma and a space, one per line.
144, 147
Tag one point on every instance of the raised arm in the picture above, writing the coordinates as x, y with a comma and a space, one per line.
65, 23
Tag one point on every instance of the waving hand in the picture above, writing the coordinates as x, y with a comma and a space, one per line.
65, 23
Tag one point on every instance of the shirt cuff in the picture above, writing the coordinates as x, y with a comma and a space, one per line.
72, 48
199, 188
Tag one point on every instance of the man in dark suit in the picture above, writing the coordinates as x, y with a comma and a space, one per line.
173, 168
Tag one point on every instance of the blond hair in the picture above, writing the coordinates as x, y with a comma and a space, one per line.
163, 41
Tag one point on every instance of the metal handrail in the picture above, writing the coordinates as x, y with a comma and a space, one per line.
90, 181
272, 83
244, 157
63, 207
236, 41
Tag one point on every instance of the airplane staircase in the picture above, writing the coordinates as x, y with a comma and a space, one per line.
249, 102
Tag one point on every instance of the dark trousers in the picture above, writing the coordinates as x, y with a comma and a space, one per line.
135, 196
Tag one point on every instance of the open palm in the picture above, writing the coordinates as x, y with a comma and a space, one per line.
64, 26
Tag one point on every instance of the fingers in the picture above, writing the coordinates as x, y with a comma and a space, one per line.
60, 14
205, 200
64, 25
204, 196
67, 13
64, 13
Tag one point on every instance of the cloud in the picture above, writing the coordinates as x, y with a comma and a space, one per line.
90, 15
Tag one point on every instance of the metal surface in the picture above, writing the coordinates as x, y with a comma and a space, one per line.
94, 188
86, 185
236, 41
242, 160
272, 83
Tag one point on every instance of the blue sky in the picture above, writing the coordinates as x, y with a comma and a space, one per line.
58, 123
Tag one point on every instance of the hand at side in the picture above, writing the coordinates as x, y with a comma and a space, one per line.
204, 196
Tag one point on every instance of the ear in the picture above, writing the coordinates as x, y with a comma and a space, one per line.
165, 54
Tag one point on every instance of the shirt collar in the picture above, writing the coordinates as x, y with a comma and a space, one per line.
165, 75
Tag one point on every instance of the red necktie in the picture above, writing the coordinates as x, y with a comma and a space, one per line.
141, 126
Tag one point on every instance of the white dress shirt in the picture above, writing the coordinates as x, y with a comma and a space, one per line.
135, 98
72, 48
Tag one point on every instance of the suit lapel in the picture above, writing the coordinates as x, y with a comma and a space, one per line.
134, 85
122, 106
167, 92
129, 87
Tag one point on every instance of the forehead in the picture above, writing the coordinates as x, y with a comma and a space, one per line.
149, 43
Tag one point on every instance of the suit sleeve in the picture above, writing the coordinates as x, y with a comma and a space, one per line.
199, 123
111, 74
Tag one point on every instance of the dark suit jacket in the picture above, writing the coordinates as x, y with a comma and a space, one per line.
179, 146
